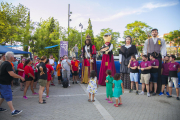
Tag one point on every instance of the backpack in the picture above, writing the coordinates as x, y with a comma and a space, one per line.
65, 83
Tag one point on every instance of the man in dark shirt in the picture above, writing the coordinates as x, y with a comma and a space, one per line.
6, 77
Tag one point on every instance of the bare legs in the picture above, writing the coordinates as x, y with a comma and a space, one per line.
92, 97
47, 88
41, 89
163, 87
170, 91
147, 87
9, 104
136, 85
155, 86
28, 83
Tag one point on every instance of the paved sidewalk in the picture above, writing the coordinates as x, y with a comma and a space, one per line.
71, 104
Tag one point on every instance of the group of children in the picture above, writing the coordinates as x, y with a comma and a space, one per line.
149, 74
110, 83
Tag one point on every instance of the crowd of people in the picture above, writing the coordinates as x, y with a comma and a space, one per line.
153, 73
28, 74
149, 74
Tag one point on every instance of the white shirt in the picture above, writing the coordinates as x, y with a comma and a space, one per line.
163, 46
120, 55
51, 61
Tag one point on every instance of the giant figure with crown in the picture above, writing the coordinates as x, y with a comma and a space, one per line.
89, 59
107, 59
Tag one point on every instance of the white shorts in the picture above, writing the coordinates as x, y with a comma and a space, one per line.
173, 80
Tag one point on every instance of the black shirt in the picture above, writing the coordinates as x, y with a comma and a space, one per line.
5, 78
44, 76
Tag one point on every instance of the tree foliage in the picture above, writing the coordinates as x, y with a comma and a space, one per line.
173, 38
12, 22
47, 34
139, 31
100, 41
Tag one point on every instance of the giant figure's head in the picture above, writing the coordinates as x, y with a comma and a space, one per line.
107, 37
88, 40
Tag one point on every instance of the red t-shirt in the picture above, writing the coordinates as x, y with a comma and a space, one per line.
74, 67
49, 70
20, 66
28, 69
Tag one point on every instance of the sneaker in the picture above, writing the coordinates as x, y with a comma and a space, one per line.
161, 94
25, 97
148, 94
44, 93
35, 93
2, 109
169, 96
130, 90
154, 94
76, 82
177, 98
47, 96
136, 92
167, 93
69, 85
72, 82
141, 93
151, 92
16, 112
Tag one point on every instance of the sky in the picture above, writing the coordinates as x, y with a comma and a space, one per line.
115, 14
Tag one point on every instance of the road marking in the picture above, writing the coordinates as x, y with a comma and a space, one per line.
99, 107
56, 95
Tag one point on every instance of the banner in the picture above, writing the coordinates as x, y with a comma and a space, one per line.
63, 48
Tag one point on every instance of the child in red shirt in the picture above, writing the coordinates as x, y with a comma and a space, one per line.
75, 70
50, 71
58, 69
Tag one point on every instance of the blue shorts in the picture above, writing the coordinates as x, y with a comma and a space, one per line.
154, 77
134, 77
6, 92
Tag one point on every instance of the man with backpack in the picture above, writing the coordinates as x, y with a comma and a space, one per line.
66, 66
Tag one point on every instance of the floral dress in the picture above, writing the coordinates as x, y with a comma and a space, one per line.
92, 86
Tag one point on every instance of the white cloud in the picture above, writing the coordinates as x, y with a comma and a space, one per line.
144, 8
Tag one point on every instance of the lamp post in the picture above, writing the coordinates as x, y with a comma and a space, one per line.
80, 25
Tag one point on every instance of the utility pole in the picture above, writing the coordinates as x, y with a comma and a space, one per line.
69, 14
80, 25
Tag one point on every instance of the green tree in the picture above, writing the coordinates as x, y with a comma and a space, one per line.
13, 22
173, 38
47, 34
90, 31
100, 41
139, 31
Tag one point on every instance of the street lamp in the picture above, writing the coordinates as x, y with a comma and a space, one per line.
80, 25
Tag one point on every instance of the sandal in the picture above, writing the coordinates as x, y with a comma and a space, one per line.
42, 102
120, 104
115, 105
89, 100
93, 100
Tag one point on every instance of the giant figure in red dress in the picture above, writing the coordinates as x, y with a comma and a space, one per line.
89, 59
107, 59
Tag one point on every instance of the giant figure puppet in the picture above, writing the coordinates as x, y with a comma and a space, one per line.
89, 59
125, 54
107, 59
156, 46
